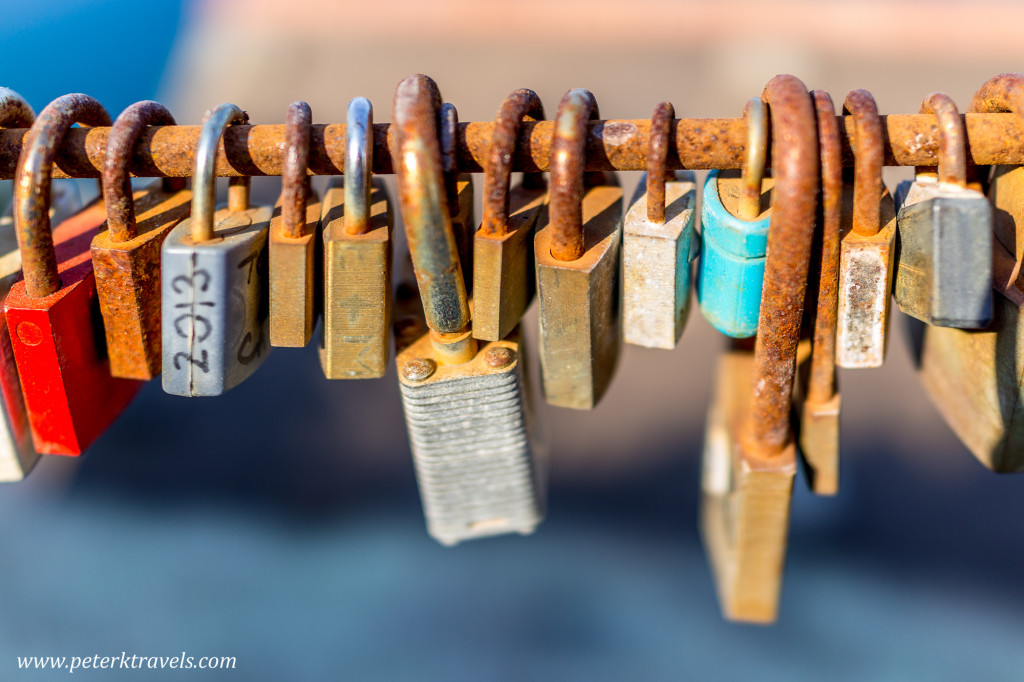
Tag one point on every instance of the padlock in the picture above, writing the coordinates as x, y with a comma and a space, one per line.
577, 257
656, 245
749, 451
70, 395
126, 255
816, 396
944, 259
357, 223
734, 222
294, 238
503, 269
976, 377
214, 301
459, 189
465, 406
867, 248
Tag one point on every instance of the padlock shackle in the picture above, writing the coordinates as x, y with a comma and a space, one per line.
32, 186
448, 130
294, 181
520, 104
215, 122
1000, 94
15, 112
952, 164
568, 148
116, 180
660, 141
421, 192
868, 157
358, 162
755, 113
794, 207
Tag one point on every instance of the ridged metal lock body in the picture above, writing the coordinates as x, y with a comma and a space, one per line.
579, 305
357, 287
469, 429
294, 270
865, 287
944, 256
656, 265
214, 303
731, 271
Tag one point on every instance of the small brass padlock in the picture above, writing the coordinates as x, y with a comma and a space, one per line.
656, 245
293, 241
357, 226
126, 255
214, 264
577, 258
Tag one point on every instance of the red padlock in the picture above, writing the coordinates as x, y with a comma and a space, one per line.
53, 314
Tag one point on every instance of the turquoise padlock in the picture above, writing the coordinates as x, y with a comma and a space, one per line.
735, 219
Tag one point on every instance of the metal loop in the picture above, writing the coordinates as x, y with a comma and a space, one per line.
32, 186
1001, 94
358, 162
448, 128
520, 104
755, 113
952, 138
866, 143
294, 181
659, 142
15, 112
215, 122
568, 147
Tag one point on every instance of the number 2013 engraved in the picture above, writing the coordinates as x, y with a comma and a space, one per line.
184, 284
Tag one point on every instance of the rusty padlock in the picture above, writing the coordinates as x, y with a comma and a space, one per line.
53, 313
357, 224
294, 238
577, 258
459, 188
868, 248
214, 301
126, 255
749, 452
503, 269
657, 239
465, 406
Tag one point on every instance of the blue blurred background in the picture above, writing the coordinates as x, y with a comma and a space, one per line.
280, 524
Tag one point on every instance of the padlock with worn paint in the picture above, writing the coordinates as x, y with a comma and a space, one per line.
657, 239
868, 247
293, 241
734, 223
749, 450
459, 189
503, 269
465, 406
126, 255
577, 257
214, 300
944, 258
70, 395
358, 244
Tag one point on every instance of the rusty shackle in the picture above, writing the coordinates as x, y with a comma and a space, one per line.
568, 148
15, 112
952, 138
294, 181
32, 186
659, 144
866, 142
520, 104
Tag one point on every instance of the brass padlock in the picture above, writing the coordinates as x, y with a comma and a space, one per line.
459, 188
503, 269
357, 226
294, 238
465, 407
656, 245
213, 301
577, 257
126, 255
868, 248
749, 451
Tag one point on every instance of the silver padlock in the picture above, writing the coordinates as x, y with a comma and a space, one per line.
215, 311
465, 406
944, 259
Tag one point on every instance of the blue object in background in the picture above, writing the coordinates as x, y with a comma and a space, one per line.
731, 269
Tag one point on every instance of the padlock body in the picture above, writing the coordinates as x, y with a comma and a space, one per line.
214, 303
469, 429
357, 287
69, 392
817, 427
464, 226
579, 305
731, 272
128, 282
294, 268
944, 259
503, 269
656, 265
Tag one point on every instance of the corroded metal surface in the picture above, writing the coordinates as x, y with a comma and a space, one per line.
659, 144
568, 149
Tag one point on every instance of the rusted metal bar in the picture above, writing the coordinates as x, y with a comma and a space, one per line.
169, 151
